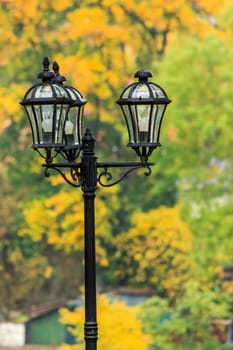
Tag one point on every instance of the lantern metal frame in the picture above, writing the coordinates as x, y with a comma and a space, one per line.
143, 105
88, 173
55, 105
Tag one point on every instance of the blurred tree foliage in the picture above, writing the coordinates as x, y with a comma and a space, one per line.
201, 143
154, 252
99, 45
189, 324
120, 326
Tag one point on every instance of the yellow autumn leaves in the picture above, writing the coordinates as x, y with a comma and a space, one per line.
58, 220
158, 244
120, 327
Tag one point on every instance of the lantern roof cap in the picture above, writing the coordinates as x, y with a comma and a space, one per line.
143, 75
143, 91
52, 90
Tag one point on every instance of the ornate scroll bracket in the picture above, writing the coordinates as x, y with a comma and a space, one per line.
75, 176
105, 177
72, 177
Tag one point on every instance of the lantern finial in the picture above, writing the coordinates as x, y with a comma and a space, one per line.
46, 75
56, 68
46, 63
58, 78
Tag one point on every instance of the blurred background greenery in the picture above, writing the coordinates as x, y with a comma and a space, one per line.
169, 233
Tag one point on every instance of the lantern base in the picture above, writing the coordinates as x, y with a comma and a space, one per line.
144, 144
144, 150
57, 146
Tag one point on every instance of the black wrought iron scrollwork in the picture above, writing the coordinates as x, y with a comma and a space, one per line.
148, 171
49, 155
70, 154
107, 175
74, 179
76, 175
46, 172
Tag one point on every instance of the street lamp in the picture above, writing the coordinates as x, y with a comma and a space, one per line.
55, 114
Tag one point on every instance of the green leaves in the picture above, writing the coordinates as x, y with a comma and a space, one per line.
99, 46
187, 324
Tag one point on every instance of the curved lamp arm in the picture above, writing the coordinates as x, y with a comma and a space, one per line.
73, 177
105, 176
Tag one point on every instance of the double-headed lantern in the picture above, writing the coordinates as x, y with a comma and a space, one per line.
55, 113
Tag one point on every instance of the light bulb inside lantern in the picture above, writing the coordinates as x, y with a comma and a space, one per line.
69, 126
143, 122
47, 123
143, 112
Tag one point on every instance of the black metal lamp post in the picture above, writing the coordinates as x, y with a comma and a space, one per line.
55, 113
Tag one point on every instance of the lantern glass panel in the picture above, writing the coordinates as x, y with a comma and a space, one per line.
47, 123
33, 123
157, 91
79, 127
73, 130
143, 122
43, 91
125, 93
59, 122
130, 122
160, 109
60, 91
46, 118
140, 91
73, 126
